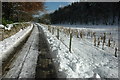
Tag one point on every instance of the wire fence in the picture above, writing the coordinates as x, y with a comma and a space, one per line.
99, 40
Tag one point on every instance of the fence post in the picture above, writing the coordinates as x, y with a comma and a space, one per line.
69, 30
70, 44
115, 52
80, 34
94, 40
109, 43
58, 33
52, 30
104, 38
98, 42
109, 40
77, 34
49, 28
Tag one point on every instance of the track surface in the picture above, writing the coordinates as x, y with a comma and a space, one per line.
45, 66
35, 46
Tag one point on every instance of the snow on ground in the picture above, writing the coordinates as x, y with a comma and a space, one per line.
25, 63
29, 67
85, 59
87, 26
113, 29
9, 43
100, 61
9, 26
1, 26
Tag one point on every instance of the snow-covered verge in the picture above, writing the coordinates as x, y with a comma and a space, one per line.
1, 26
85, 60
8, 44
65, 61
11, 29
9, 26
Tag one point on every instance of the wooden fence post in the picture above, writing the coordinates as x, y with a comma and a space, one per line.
81, 34
104, 38
48, 28
98, 42
94, 40
109, 43
109, 40
52, 30
58, 33
77, 34
70, 44
115, 52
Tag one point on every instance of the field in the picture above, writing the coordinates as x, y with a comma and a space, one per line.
80, 55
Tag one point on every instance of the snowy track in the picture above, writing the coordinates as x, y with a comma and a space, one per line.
11, 45
25, 62
33, 60
45, 66
44, 56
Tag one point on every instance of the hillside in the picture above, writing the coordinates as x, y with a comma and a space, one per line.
87, 13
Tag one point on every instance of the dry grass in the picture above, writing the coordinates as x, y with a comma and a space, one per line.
16, 28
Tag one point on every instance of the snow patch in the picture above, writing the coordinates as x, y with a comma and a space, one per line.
2, 26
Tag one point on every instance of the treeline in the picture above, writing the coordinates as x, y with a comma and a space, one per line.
20, 11
94, 13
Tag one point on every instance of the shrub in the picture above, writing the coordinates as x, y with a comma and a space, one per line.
5, 22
